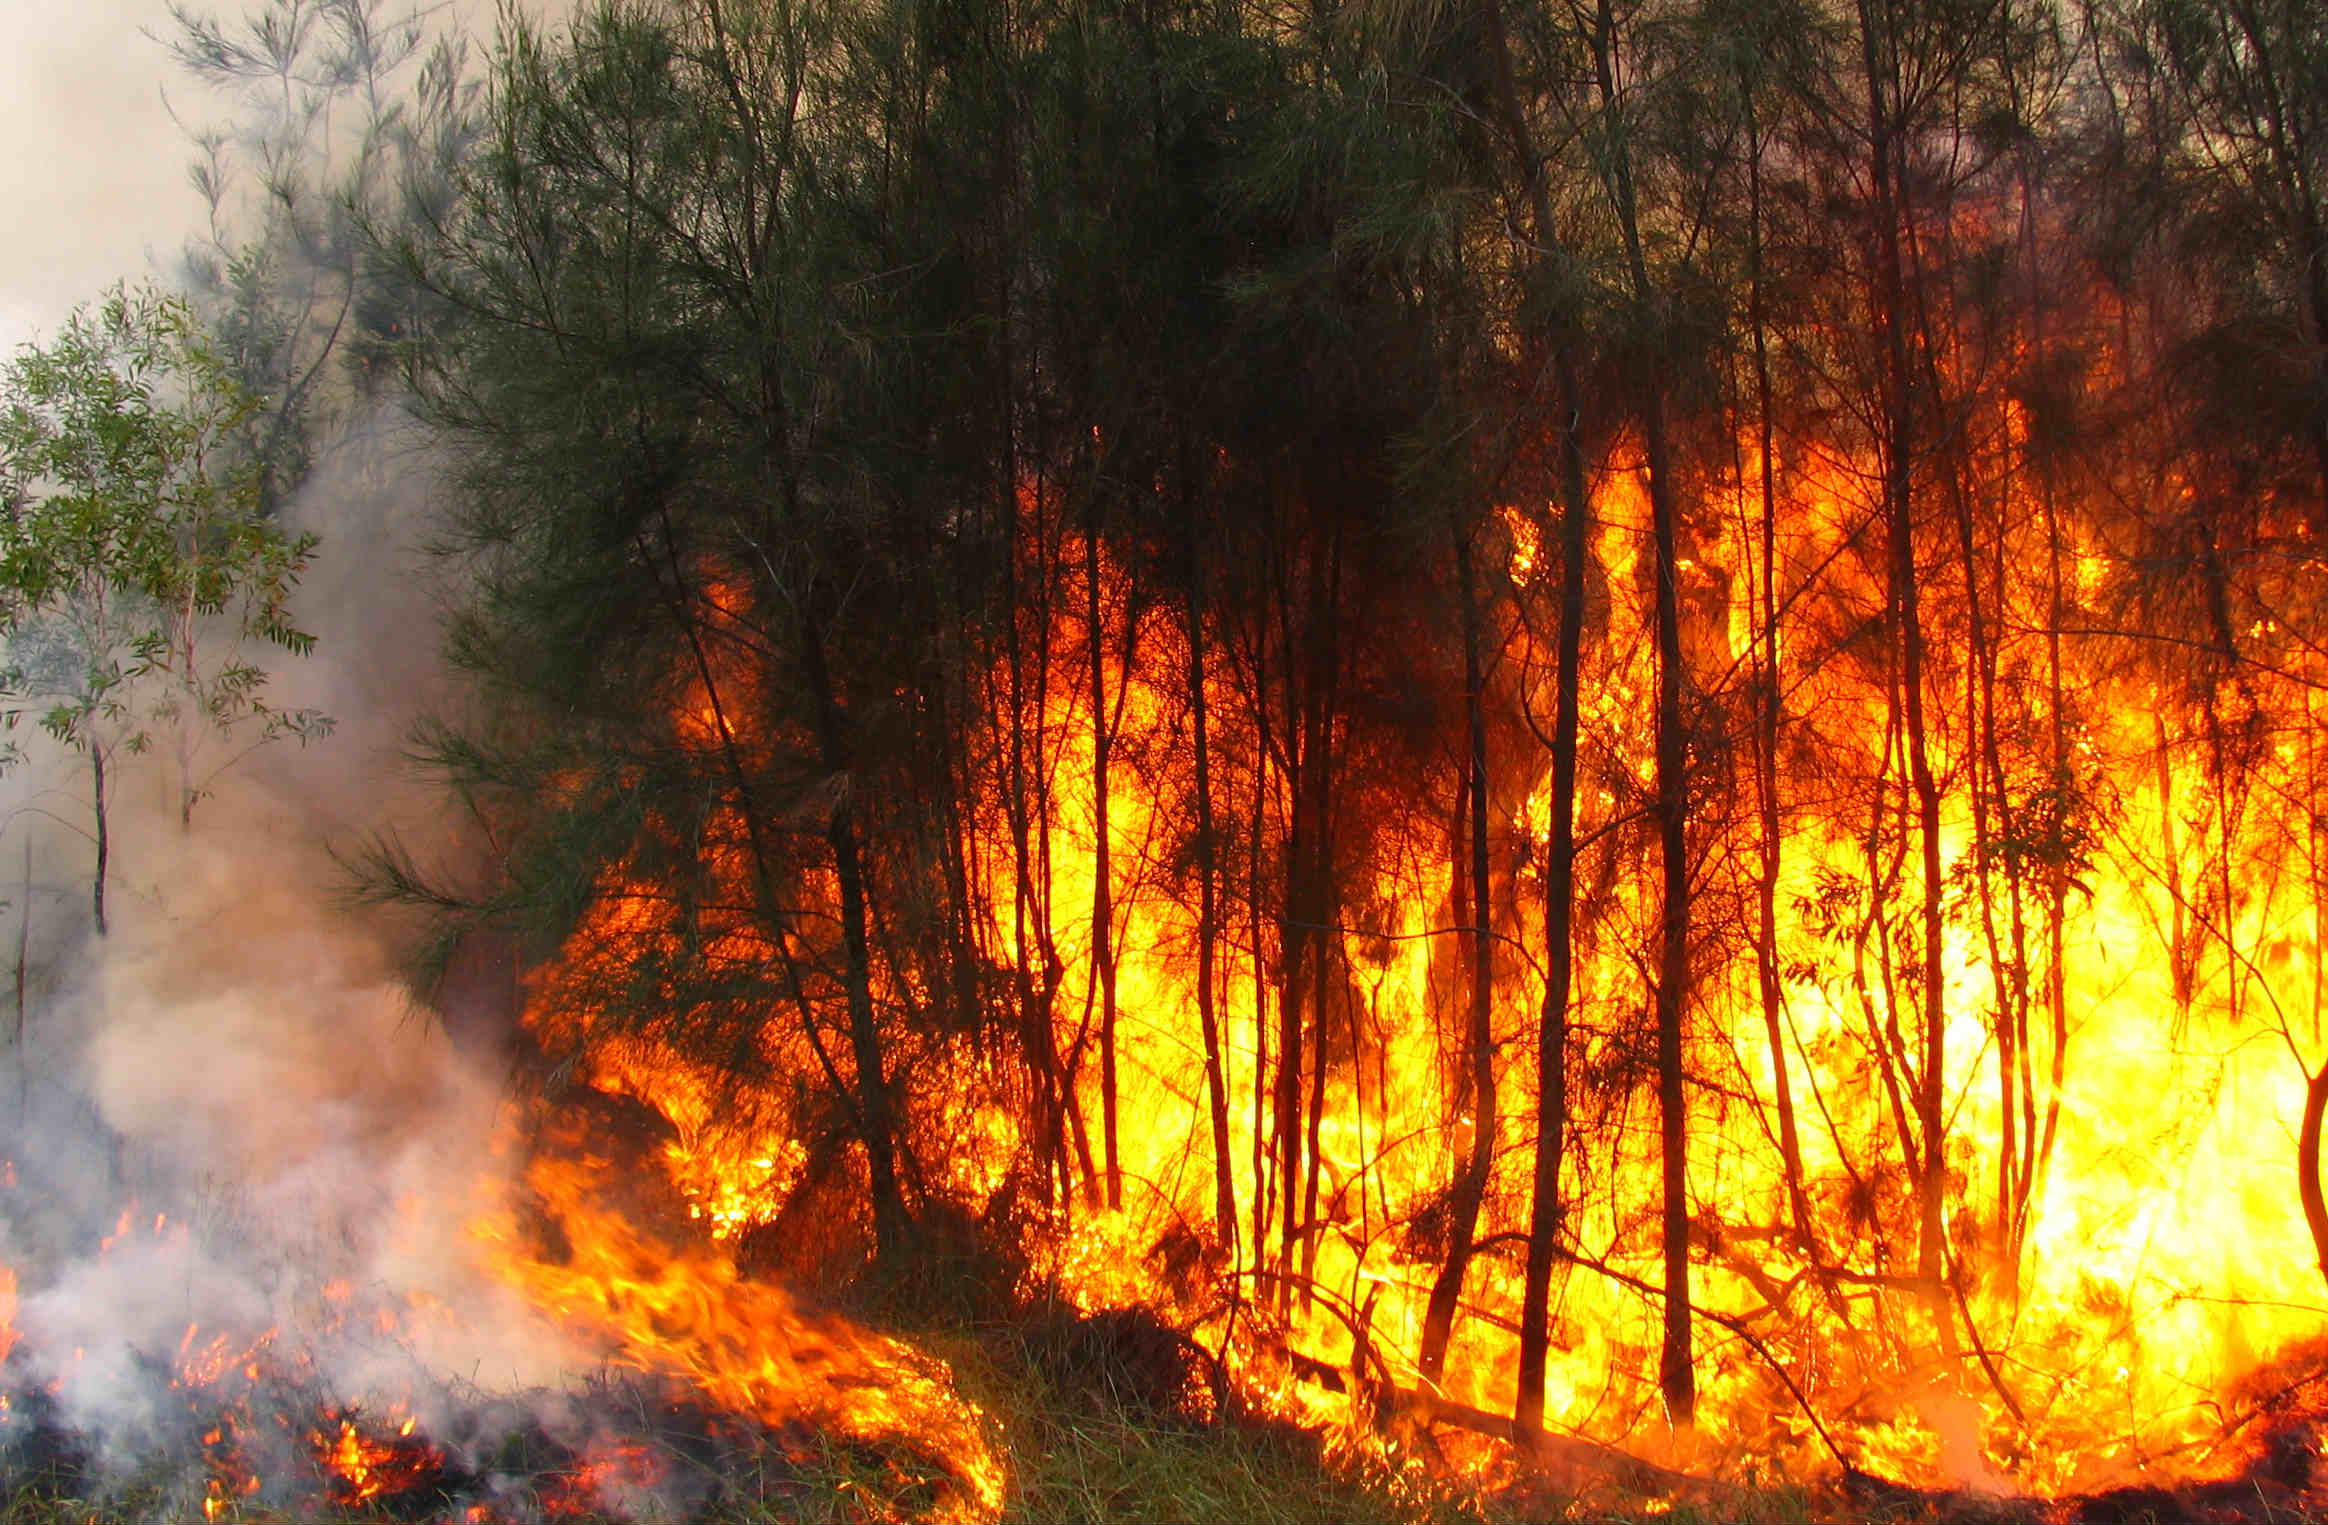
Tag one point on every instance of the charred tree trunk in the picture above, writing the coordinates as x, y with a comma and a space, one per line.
874, 1106
1890, 301
1308, 907
1470, 1186
2055, 877
2308, 1165
1036, 1040
1297, 934
1769, 707
1544, 1209
1544, 1214
1208, 910
1325, 945
1676, 1371
1263, 1192
1103, 963
1042, 890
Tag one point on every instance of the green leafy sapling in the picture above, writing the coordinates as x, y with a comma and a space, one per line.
136, 563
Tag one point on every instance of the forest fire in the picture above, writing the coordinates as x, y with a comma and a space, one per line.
1575, 750
2129, 1293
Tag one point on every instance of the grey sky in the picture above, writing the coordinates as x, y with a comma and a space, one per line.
94, 174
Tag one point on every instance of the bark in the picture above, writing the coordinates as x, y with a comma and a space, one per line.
1036, 1040
1208, 911
1263, 1188
1318, 774
1544, 1210
1470, 1186
2308, 1165
1676, 1372
1890, 299
1308, 911
2056, 878
23, 963
874, 1105
99, 818
1677, 1378
1768, 716
1103, 962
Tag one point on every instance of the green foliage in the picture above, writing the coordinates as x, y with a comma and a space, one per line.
135, 565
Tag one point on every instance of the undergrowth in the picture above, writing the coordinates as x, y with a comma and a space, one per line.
1075, 1451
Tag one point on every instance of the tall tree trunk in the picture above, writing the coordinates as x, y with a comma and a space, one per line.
1264, 1192
1890, 301
2055, 879
1470, 1187
1768, 715
1544, 1213
1676, 1373
1036, 1040
1308, 904
1676, 1370
1296, 931
1325, 944
1103, 961
1207, 909
874, 1105
1043, 891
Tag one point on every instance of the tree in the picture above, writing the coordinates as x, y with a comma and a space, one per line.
135, 564
685, 580
335, 137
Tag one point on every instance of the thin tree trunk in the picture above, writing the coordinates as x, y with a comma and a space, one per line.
1676, 1371
873, 1100
1102, 894
1470, 1187
1544, 1209
1769, 707
1264, 1192
1208, 912
1296, 937
1899, 448
1043, 895
2056, 879
1677, 1377
2308, 1165
1318, 774
1036, 1039
100, 814
1544, 1214
23, 962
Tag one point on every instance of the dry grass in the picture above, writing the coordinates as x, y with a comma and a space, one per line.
1081, 1444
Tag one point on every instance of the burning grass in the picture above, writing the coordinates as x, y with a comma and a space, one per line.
1048, 1413
650, 1451
618, 1450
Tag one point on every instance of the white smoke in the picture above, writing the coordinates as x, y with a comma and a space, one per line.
230, 1119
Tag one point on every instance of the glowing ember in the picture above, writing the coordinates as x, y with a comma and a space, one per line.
362, 1467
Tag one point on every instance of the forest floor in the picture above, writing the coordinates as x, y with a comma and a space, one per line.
1082, 1441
